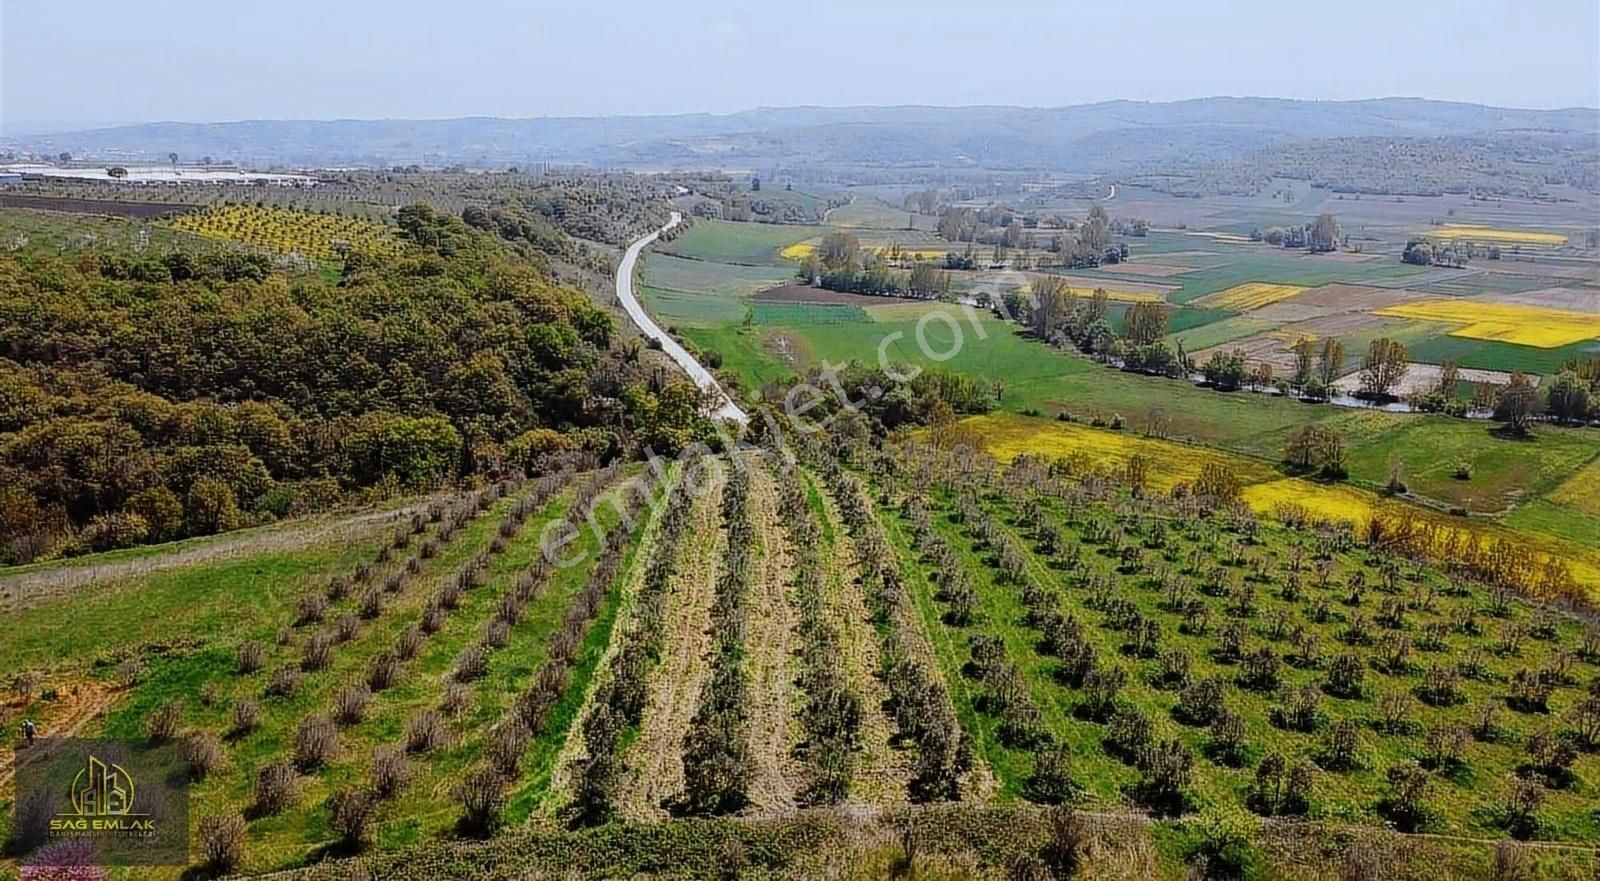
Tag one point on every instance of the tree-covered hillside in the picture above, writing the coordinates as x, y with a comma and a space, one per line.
148, 396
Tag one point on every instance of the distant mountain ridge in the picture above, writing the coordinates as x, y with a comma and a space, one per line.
1103, 137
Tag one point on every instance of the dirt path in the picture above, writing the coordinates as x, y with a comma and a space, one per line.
79, 704
24, 589
655, 760
771, 664
884, 771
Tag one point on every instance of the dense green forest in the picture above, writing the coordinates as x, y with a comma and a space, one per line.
145, 397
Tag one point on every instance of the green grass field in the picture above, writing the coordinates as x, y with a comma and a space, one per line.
751, 244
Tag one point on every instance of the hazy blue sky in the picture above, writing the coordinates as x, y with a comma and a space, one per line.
112, 61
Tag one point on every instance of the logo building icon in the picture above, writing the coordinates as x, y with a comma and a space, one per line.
102, 790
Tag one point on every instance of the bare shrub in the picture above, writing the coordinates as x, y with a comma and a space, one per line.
310, 609
408, 643
318, 652
472, 663
246, 716
425, 732
391, 769
455, 698
249, 657
348, 627
350, 704
161, 726
385, 671
210, 693
497, 634
276, 785
338, 588
316, 742
432, 617
507, 742
510, 608
202, 752
286, 636
284, 681
350, 815
222, 838
1510, 862
482, 798
449, 596
372, 604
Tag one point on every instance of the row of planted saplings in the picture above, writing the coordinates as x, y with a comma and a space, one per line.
1165, 764
352, 811
831, 714
375, 598
1006, 694
1282, 787
619, 702
221, 836
316, 739
918, 699
481, 794
717, 764
203, 750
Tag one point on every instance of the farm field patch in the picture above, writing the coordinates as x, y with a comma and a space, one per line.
753, 244
1421, 378
1534, 326
1250, 296
1472, 232
1005, 437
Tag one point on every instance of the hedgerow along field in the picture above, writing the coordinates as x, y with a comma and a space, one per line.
403, 674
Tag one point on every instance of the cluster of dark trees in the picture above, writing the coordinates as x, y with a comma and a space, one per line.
1424, 252
149, 398
841, 264
859, 401
1319, 236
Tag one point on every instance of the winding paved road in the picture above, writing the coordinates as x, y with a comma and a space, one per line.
701, 376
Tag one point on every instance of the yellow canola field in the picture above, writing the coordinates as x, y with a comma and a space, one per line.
1005, 437
1535, 326
1250, 296
798, 251
1490, 234
286, 230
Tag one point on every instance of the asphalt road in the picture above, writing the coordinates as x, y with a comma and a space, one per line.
702, 377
